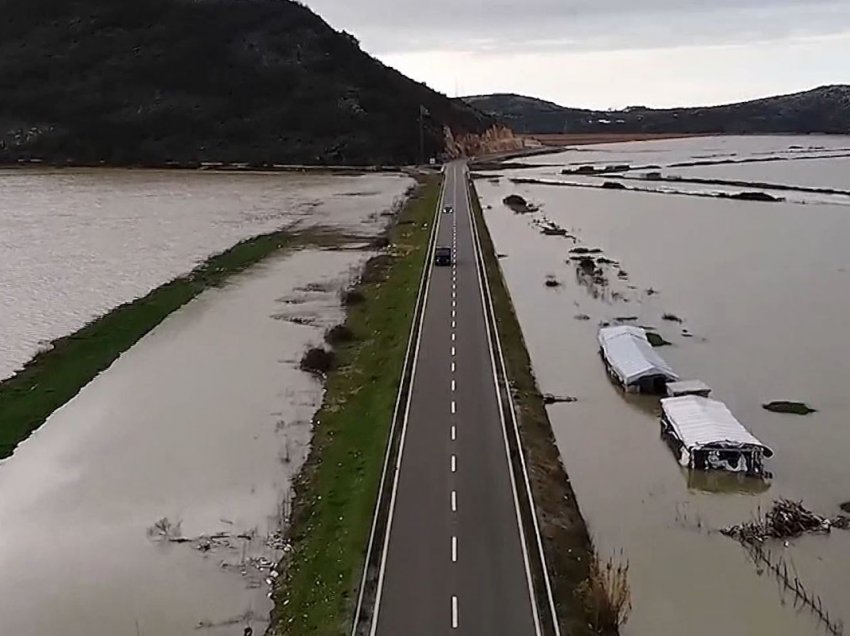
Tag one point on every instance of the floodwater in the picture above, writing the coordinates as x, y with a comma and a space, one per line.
76, 243
203, 422
764, 291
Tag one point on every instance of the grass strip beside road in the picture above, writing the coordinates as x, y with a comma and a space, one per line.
56, 375
335, 492
566, 541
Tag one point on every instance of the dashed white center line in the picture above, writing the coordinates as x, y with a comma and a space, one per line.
454, 386
454, 337
454, 432
454, 352
454, 549
454, 500
454, 463
454, 612
454, 366
454, 324
454, 407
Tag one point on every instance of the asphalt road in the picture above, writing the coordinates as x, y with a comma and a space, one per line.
455, 561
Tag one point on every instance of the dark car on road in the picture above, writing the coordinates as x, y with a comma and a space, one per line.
448, 209
443, 256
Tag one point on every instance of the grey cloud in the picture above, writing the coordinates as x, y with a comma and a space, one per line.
397, 26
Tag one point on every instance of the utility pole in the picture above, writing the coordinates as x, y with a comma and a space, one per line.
422, 111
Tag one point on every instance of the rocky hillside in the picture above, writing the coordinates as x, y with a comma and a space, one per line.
151, 81
825, 109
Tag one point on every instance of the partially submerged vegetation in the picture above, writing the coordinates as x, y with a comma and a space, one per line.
657, 340
57, 374
606, 594
518, 204
335, 492
785, 406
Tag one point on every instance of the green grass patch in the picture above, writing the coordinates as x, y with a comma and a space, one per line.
336, 490
55, 376
567, 544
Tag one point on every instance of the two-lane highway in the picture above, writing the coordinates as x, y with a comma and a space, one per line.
454, 558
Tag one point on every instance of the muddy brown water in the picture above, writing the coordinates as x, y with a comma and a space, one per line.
75, 243
203, 422
764, 291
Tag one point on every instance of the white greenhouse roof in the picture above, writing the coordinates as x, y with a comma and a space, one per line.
687, 387
630, 355
699, 421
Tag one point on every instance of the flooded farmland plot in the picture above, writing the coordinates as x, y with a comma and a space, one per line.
152, 502
752, 298
76, 243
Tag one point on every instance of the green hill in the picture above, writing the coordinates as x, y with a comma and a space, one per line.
151, 81
825, 110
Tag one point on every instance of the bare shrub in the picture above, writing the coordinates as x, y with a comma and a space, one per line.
318, 361
352, 297
339, 335
606, 593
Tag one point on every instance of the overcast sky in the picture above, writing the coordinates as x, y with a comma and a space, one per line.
606, 53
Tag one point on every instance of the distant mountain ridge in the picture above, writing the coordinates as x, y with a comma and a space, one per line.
825, 109
153, 81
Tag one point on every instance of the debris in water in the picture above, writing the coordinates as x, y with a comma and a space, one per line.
552, 282
554, 230
587, 265
783, 406
548, 398
625, 318
585, 250
752, 196
671, 318
581, 317
785, 520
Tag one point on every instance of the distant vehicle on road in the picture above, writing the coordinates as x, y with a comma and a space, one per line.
448, 209
443, 256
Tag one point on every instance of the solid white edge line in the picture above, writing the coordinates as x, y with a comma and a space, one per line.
538, 536
481, 277
427, 278
454, 612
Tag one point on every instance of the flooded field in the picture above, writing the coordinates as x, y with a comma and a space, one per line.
76, 243
763, 290
149, 505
